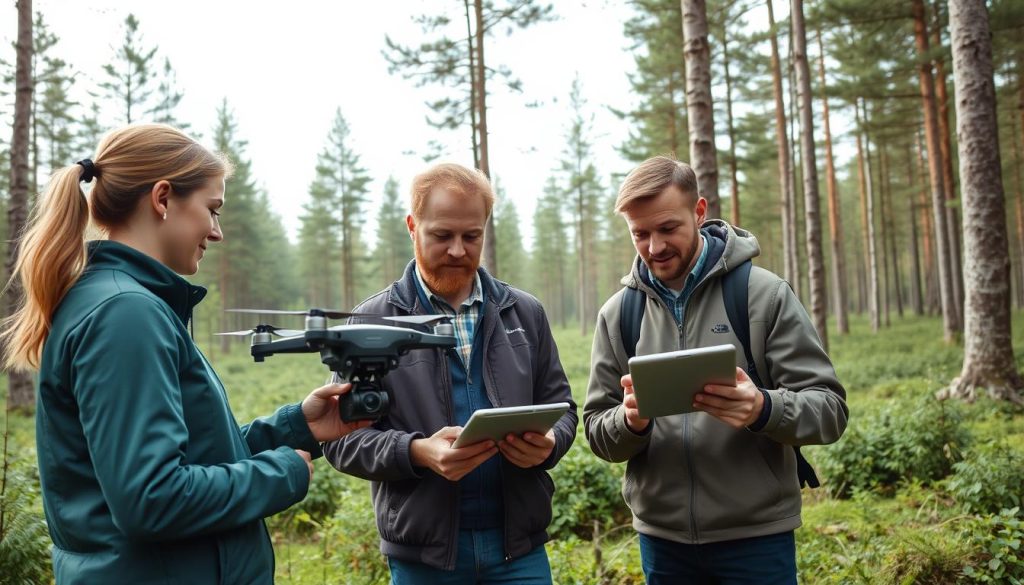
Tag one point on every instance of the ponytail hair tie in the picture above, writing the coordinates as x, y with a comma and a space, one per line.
88, 170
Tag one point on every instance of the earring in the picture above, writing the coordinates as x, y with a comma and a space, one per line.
165, 215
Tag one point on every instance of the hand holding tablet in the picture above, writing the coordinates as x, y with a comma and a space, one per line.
496, 423
666, 383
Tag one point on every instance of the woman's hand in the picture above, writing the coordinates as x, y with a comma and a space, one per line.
323, 417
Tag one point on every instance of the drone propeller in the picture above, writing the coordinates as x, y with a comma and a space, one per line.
310, 313
266, 329
418, 319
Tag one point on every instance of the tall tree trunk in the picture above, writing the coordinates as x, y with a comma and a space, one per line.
916, 298
472, 85
1019, 213
988, 344
794, 172
883, 227
812, 201
735, 187
782, 147
950, 316
948, 178
699, 107
864, 155
888, 215
931, 281
835, 224
20, 393
865, 266
490, 245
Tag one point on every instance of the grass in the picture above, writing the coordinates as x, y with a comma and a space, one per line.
913, 533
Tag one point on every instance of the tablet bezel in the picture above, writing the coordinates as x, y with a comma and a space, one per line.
666, 383
484, 424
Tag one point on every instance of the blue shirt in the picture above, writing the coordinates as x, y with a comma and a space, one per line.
677, 302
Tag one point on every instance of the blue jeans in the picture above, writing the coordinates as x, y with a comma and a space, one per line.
480, 560
763, 560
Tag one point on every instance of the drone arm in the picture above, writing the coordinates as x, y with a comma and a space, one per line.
374, 454
133, 425
286, 427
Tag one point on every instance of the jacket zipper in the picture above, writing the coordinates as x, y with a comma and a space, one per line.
453, 535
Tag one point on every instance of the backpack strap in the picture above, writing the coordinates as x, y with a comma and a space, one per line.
735, 295
631, 314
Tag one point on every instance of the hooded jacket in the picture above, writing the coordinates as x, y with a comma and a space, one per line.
418, 510
146, 476
691, 478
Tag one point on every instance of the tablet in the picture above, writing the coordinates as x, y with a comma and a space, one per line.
666, 383
496, 423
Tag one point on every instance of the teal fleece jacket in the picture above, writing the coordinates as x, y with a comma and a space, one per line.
146, 477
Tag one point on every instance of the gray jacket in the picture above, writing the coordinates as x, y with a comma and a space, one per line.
418, 510
691, 478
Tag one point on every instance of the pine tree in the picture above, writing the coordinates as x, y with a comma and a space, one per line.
129, 76
340, 175
20, 393
550, 255
658, 122
455, 57
168, 96
988, 346
582, 189
394, 247
511, 254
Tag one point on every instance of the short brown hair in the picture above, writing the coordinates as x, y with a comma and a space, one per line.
457, 179
653, 176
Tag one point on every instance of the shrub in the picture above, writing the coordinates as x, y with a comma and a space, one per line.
989, 479
321, 502
588, 490
575, 561
1000, 559
24, 541
903, 440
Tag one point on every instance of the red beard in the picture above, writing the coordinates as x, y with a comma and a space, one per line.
446, 278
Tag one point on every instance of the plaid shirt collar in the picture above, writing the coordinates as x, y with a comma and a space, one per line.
677, 302
464, 318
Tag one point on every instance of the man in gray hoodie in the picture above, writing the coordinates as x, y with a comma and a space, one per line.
714, 493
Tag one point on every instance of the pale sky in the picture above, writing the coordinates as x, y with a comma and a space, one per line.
286, 68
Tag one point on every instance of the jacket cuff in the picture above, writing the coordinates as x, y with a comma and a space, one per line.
776, 406
301, 435
403, 454
766, 413
299, 468
626, 436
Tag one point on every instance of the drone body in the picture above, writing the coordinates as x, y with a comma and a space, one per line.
361, 354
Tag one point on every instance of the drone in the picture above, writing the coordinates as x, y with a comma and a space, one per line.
358, 353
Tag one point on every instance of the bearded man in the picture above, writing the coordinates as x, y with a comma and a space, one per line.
479, 513
715, 493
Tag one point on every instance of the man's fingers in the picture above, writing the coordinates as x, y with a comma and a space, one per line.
448, 432
469, 451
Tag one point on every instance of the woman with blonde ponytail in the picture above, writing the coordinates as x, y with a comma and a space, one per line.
146, 477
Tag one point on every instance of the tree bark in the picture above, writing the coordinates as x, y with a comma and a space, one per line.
1019, 214
733, 171
812, 201
699, 108
835, 224
794, 166
948, 178
20, 393
931, 280
950, 316
782, 146
490, 245
889, 216
988, 345
864, 156
883, 227
916, 298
